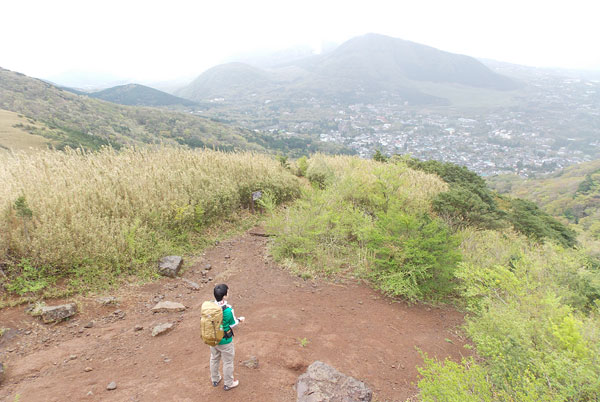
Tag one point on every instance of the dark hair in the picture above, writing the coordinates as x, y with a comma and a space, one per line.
220, 291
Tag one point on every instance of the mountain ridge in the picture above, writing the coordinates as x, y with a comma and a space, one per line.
362, 68
139, 95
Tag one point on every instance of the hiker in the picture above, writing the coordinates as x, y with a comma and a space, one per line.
225, 347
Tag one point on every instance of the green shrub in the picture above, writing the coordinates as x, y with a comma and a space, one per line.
413, 256
450, 381
529, 324
463, 207
527, 218
28, 279
302, 166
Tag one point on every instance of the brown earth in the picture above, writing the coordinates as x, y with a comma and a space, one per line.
290, 322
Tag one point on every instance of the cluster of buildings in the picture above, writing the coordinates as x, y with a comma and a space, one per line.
556, 124
550, 123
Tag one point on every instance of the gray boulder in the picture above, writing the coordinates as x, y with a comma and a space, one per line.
170, 266
1, 373
322, 382
161, 329
58, 313
167, 306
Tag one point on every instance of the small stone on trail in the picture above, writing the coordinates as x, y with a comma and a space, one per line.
111, 386
107, 301
89, 324
1, 372
227, 256
190, 284
90, 393
138, 328
161, 329
207, 267
72, 357
252, 362
168, 306
87, 369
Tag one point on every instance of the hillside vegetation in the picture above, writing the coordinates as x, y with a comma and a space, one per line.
70, 120
89, 217
572, 194
440, 234
417, 231
14, 133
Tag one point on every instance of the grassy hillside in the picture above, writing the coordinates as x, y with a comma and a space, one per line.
90, 217
74, 121
15, 133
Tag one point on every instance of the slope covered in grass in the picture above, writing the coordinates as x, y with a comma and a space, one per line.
67, 214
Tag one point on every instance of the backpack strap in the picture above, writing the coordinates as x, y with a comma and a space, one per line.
227, 334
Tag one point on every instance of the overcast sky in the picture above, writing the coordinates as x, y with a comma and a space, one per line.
162, 40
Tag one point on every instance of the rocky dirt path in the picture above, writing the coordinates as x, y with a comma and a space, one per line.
289, 324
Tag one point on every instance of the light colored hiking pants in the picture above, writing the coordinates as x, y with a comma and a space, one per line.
226, 351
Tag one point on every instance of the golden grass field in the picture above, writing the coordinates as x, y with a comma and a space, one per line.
16, 138
121, 210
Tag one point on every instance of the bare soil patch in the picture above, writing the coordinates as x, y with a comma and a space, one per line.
290, 322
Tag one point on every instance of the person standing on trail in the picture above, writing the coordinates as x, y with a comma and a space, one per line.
225, 348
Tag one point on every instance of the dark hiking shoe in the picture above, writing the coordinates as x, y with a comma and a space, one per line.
234, 384
215, 383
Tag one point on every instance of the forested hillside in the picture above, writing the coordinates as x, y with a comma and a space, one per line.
572, 194
73, 120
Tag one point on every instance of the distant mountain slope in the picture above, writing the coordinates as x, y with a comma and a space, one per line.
72, 120
383, 60
363, 69
139, 95
225, 80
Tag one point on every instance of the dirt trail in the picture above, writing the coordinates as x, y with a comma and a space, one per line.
335, 321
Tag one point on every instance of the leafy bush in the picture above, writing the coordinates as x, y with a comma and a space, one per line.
451, 381
302, 166
527, 218
413, 256
28, 279
463, 207
370, 220
534, 317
